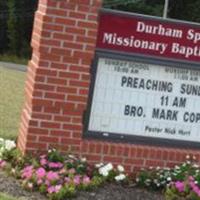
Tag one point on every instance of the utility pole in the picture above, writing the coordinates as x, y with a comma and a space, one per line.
165, 10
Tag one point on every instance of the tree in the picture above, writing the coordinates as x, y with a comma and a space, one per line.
178, 9
19, 26
3, 25
13, 34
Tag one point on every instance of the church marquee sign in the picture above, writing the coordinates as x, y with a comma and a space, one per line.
146, 81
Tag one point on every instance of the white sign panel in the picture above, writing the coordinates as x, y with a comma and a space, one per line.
148, 100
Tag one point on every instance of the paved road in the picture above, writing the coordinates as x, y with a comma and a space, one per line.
13, 66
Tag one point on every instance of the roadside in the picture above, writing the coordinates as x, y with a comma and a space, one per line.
18, 67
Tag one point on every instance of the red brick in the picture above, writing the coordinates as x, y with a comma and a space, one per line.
84, 2
71, 59
154, 163
139, 162
87, 40
37, 94
48, 56
72, 45
112, 159
79, 83
77, 120
39, 78
62, 118
69, 75
67, 90
77, 98
57, 81
37, 108
106, 148
85, 77
92, 17
72, 127
79, 69
90, 48
70, 141
85, 147
63, 36
42, 116
65, 21
60, 133
77, 15
84, 91
94, 158
52, 109
37, 145
52, 95
38, 131
53, 27
42, 102
33, 123
46, 124
44, 87
90, 25
58, 66
83, 8
72, 113
65, 105
48, 139
31, 137
60, 51
57, 12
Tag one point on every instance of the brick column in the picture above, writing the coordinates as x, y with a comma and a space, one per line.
63, 42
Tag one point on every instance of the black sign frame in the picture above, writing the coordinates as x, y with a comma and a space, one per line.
124, 138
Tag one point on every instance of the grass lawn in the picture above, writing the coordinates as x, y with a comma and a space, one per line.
6, 197
11, 101
13, 59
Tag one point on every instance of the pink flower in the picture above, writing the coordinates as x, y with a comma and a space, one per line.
180, 186
192, 184
57, 188
191, 178
40, 173
27, 172
2, 163
62, 171
51, 189
77, 180
72, 171
67, 180
51, 176
54, 189
47, 182
43, 161
55, 165
86, 180
39, 181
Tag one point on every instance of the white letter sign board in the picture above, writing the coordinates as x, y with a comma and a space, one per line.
134, 98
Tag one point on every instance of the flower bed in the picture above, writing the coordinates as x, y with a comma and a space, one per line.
60, 176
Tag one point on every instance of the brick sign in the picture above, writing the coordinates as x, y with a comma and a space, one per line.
135, 98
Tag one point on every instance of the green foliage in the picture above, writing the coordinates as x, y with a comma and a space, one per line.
12, 28
3, 26
55, 156
179, 183
16, 21
179, 9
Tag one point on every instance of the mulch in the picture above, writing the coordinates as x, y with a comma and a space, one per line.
12, 187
